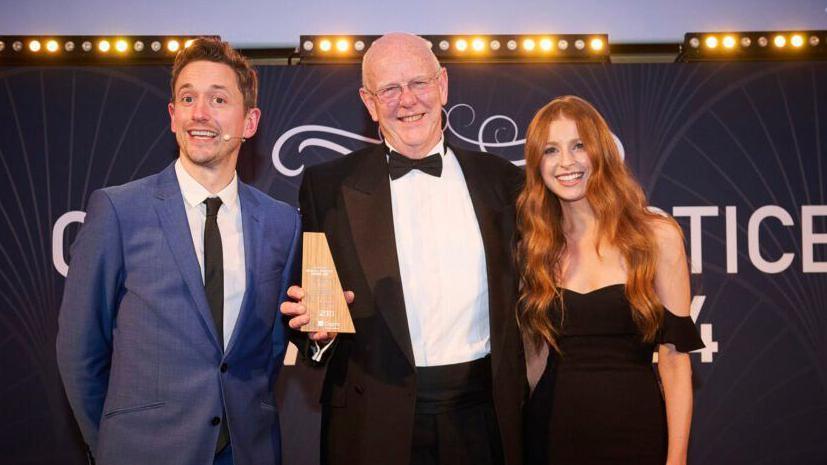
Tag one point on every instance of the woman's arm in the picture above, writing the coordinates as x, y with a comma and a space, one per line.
672, 288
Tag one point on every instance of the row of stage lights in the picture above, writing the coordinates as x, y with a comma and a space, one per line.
697, 46
91, 49
758, 45
566, 47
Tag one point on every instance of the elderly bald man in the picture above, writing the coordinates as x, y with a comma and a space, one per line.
421, 231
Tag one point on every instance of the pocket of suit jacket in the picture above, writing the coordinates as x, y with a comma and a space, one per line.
137, 408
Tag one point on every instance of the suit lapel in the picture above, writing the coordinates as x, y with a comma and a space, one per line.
367, 199
252, 228
491, 214
169, 206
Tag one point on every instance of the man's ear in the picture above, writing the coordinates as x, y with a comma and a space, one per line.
171, 109
370, 104
251, 122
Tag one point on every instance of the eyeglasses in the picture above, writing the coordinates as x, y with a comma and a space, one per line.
393, 92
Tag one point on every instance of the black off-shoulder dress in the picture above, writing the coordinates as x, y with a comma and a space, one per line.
598, 401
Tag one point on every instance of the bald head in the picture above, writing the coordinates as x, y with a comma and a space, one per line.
396, 46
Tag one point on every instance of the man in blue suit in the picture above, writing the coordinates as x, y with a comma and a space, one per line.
168, 341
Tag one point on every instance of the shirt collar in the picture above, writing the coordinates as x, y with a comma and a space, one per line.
438, 148
195, 194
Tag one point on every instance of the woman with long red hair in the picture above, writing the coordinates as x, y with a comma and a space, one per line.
604, 283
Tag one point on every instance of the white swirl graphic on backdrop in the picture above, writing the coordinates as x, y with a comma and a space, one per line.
480, 140
510, 126
313, 142
497, 143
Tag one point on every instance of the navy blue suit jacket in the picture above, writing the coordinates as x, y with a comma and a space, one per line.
140, 358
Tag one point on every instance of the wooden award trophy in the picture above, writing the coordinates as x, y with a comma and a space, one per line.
323, 296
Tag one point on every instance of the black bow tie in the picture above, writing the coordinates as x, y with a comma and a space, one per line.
399, 165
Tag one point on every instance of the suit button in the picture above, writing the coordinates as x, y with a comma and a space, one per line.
215, 421
224, 368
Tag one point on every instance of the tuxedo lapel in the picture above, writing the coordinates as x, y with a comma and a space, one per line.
491, 216
252, 229
367, 199
169, 206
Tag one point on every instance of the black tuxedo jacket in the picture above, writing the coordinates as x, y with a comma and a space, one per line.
369, 390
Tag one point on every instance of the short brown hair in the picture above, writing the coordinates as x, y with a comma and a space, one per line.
216, 51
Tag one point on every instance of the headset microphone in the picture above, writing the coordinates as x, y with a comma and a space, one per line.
227, 138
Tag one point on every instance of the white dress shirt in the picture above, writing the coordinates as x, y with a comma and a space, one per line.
442, 265
232, 239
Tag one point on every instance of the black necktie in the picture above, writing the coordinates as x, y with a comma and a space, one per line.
399, 165
214, 287
214, 265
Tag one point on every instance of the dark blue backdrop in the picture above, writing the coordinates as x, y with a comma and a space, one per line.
733, 150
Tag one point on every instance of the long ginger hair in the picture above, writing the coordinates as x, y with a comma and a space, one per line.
622, 221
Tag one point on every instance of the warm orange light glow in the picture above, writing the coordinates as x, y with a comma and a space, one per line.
729, 42
711, 42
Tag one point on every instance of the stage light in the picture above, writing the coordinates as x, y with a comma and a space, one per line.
711, 42
478, 44
188, 43
2, 45
753, 45
797, 40
88, 49
590, 47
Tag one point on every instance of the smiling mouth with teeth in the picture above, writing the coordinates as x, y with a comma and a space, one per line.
202, 133
411, 118
568, 177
